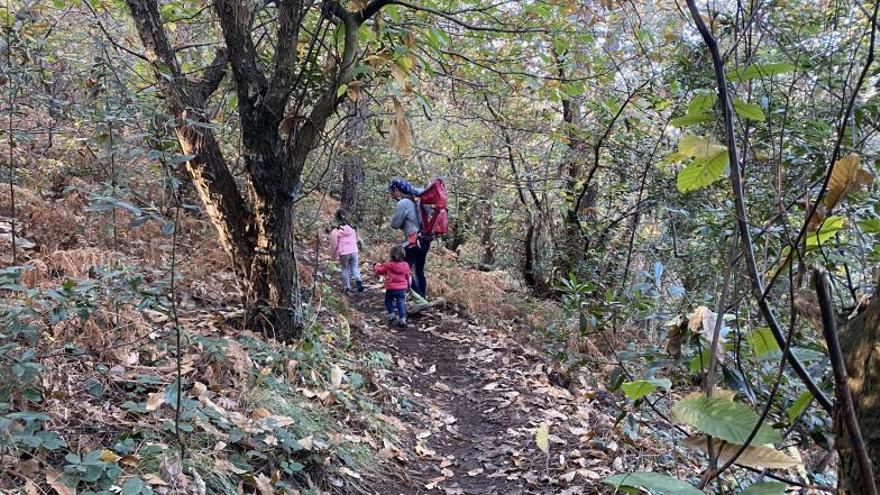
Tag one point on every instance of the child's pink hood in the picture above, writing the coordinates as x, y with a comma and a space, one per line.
343, 240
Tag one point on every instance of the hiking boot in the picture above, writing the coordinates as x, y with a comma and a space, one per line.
402, 322
392, 318
360, 286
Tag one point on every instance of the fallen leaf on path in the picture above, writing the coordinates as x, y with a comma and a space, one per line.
475, 472
306, 443
53, 478
542, 437
154, 480
30, 488
155, 401
336, 376
423, 451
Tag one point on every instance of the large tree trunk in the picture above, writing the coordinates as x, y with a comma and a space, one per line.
259, 239
860, 344
353, 175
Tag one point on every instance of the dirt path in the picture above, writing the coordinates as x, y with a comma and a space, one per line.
475, 399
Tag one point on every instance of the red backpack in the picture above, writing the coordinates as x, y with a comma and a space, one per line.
436, 222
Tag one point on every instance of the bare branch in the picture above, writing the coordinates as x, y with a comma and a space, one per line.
741, 214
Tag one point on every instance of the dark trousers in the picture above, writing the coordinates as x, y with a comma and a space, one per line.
396, 298
416, 257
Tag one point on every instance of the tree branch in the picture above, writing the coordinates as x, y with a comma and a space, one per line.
741, 215
213, 75
235, 19
844, 397
149, 25
281, 83
305, 136
460, 22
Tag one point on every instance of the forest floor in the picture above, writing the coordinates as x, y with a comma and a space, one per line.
451, 404
478, 396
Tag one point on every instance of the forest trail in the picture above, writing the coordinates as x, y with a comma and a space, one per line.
477, 398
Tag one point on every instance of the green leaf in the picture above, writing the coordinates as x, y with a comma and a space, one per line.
637, 389
829, 228
722, 418
755, 71
700, 361
341, 90
798, 406
691, 119
133, 486
870, 225
653, 482
702, 172
762, 342
749, 111
701, 102
769, 488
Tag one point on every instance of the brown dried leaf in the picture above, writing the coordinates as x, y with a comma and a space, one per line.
847, 175
155, 401
53, 478
400, 136
263, 484
31, 489
755, 456
703, 321
355, 5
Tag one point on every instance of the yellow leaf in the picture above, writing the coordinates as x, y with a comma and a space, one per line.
130, 460
847, 175
108, 455
155, 401
400, 137
405, 62
53, 478
696, 147
755, 456
542, 437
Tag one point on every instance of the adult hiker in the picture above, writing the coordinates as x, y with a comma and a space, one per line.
406, 218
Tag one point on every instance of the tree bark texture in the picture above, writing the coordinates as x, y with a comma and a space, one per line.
860, 344
258, 237
353, 175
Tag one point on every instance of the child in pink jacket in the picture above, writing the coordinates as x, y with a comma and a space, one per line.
344, 244
396, 273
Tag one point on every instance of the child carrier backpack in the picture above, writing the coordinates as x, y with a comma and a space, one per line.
435, 219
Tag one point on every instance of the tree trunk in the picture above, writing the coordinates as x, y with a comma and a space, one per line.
353, 175
276, 288
860, 344
259, 240
487, 237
